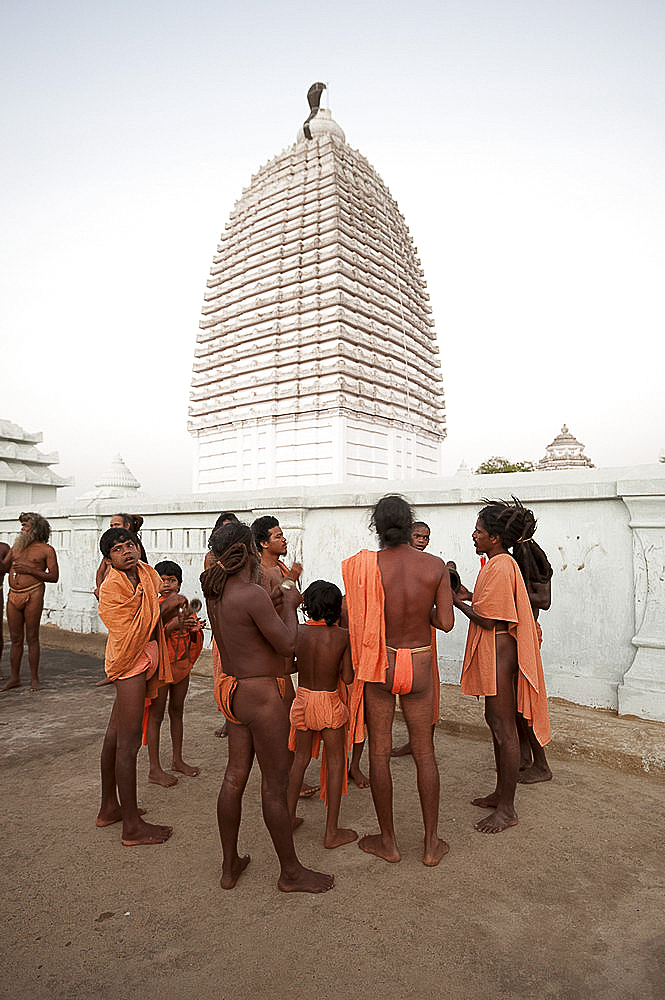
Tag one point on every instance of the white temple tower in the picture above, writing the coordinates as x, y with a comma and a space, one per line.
317, 360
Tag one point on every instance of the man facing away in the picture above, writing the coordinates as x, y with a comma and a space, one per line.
393, 597
31, 564
253, 642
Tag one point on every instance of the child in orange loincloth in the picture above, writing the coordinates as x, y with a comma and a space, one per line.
319, 712
184, 638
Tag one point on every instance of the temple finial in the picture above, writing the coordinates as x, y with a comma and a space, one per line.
314, 100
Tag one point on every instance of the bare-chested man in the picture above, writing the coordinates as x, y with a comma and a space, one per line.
393, 598
253, 642
31, 564
272, 547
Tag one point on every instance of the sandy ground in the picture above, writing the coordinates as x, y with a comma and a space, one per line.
568, 904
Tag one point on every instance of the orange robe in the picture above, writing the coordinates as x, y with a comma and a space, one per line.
184, 650
317, 710
130, 617
500, 593
365, 604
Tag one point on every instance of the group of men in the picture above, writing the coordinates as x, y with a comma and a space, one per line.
395, 600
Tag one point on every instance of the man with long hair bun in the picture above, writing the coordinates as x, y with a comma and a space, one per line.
393, 598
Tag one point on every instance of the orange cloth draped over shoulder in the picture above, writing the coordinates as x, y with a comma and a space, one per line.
131, 616
365, 605
500, 593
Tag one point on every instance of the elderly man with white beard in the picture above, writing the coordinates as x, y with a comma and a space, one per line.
31, 564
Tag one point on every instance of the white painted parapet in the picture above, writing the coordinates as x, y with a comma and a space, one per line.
603, 530
642, 689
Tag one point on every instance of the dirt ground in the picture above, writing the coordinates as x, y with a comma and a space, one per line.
568, 904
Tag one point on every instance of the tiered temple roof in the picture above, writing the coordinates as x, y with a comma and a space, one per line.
25, 473
565, 452
317, 306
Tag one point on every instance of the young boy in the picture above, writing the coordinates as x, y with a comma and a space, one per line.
323, 657
183, 631
137, 662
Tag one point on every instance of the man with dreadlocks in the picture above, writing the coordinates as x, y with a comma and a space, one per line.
253, 642
31, 564
537, 573
502, 656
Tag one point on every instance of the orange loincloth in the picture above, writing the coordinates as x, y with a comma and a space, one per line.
225, 685
403, 672
317, 710
130, 617
20, 598
500, 594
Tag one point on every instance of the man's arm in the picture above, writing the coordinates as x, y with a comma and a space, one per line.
346, 672
49, 574
442, 615
282, 632
5, 558
466, 609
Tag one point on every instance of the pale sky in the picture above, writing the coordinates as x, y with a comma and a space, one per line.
523, 142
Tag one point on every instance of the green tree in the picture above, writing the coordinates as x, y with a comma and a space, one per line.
498, 464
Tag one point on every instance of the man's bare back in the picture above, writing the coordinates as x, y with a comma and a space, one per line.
323, 655
259, 640
417, 593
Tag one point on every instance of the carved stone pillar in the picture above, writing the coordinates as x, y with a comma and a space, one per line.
642, 691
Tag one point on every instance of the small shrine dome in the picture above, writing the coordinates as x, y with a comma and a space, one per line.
564, 452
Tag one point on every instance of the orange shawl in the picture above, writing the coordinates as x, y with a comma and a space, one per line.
367, 632
500, 594
130, 616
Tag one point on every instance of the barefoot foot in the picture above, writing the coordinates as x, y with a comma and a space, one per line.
187, 769
12, 684
114, 817
308, 791
338, 838
223, 732
162, 778
496, 822
305, 880
487, 802
375, 845
36, 686
433, 854
146, 834
229, 880
534, 774
358, 778
403, 751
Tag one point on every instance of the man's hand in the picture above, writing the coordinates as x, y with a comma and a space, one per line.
295, 572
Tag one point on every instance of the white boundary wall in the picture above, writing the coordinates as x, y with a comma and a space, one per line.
603, 530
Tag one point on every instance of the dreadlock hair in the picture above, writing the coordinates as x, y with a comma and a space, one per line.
515, 524
323, 601
392, 519
233, 545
